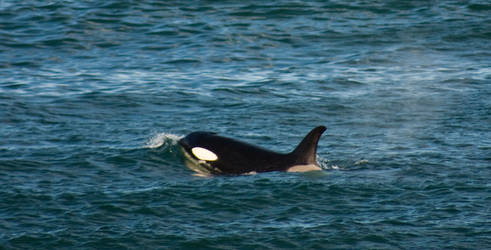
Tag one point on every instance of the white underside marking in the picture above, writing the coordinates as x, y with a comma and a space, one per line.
304, 168
201, 167
204, 154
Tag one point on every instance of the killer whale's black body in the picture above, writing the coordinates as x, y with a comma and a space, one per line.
234, 157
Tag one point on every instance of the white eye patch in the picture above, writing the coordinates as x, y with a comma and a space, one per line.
204, 154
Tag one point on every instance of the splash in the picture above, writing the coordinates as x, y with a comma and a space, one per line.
325, 164
163, 139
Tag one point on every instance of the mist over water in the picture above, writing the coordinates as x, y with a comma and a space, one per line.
95, 94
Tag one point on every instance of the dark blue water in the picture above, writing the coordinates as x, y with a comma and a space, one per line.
95, 94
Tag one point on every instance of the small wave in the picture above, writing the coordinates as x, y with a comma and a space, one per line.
162, 139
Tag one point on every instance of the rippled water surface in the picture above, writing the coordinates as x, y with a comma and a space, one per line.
95, 94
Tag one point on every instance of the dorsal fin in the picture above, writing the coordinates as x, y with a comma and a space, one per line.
305, 152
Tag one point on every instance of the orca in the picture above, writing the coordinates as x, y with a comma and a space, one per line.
211, 154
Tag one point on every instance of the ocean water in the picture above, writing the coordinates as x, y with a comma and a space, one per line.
95, 94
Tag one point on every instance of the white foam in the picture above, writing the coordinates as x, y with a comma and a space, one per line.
162, 139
